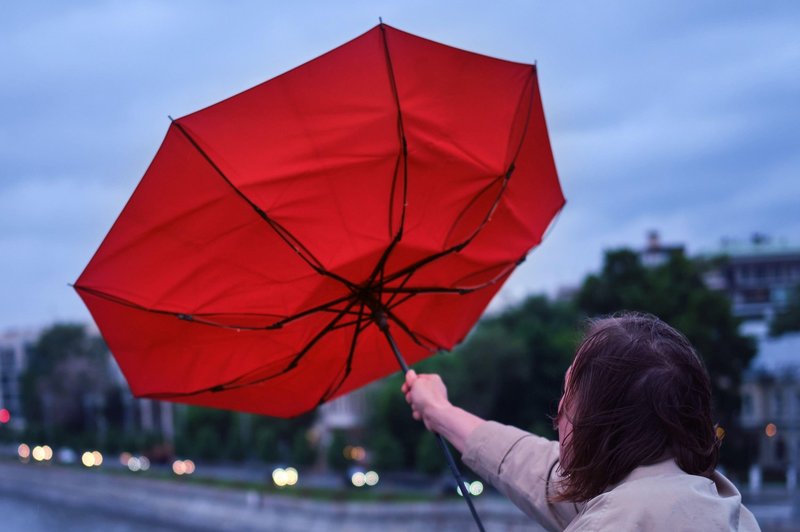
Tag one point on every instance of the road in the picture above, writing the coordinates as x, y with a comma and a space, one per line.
38, 497
78, 499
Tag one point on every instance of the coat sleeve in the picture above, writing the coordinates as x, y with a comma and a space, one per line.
523, 467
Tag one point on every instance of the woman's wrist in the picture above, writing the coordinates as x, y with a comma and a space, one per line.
454, 423
438, 415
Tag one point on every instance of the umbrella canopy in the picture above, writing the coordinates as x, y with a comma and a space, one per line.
391, 177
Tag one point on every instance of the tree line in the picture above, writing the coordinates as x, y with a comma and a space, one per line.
510, 369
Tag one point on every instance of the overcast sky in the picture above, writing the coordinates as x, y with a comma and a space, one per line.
682, 117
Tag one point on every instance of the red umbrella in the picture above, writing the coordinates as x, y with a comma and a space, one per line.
393, 178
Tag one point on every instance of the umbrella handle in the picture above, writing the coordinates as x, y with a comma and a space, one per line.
384, 327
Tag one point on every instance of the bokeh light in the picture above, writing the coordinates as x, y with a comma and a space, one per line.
124, 458
134, 464
5, 416
358, 454
770, 430
188, 467
24, 451
358, 479
279, 477
476, 488
38, 453
98, 458
87, 459
291, 476
466, 485
371, 478
355, 453
178, 467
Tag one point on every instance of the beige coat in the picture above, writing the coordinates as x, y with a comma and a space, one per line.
657, 497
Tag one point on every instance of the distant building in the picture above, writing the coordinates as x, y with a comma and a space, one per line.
343, 413
14, 347
758, 275
771, 402
346, 414
656, 253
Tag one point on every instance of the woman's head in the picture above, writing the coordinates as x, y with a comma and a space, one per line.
635, 394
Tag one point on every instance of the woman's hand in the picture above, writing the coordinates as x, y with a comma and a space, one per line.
427, 396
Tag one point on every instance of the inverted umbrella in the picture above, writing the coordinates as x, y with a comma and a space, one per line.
278, 235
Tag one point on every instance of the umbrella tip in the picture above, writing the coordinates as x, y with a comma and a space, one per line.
170, 118
380, 20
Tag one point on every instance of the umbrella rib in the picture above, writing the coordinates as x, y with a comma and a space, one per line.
284, 234
408, 277
455, 289
198, 318
331, 391
391, 192
407, 329
345, 324
237, 382
458, 247
403, 156
401, 132
390, 305
325, 330
527, 115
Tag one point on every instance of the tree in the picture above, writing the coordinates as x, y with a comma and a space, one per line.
511, 369
335, 457
394, 434
788, 319
215, 435
675, 292
65, 385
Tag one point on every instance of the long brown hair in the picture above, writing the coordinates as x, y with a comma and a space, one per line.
637, 394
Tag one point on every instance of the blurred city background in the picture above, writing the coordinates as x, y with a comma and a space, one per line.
674, 130
65, 403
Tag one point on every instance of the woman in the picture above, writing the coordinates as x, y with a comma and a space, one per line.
637, 448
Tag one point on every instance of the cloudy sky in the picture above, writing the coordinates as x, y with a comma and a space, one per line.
682, 117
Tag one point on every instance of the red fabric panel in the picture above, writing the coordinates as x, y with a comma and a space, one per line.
315, 148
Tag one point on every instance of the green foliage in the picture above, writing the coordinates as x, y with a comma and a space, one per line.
335, 453
208, 443
393, 434
302, 452
429, 455
511, 369
388, 452
65, 385
222, 435
266, 443
788, 320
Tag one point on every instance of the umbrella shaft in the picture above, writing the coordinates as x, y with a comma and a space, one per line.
395, 349
462, 486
